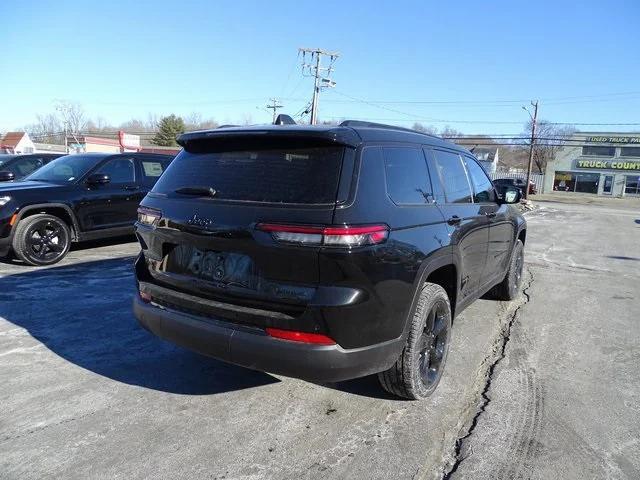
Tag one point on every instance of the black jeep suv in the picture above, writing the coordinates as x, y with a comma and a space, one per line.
15, 167
74, 198
324, 253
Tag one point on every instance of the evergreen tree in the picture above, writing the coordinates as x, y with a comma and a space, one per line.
168, 129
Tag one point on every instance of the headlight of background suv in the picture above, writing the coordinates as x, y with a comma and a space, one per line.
4, 201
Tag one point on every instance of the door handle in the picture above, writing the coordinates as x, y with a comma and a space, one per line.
454, 220
131, 187
490, 214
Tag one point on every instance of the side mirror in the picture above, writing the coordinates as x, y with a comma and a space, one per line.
511, 195
98, 179
6, 176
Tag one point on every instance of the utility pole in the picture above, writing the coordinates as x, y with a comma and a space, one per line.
66, 146
275, 105
534, 119
315, 70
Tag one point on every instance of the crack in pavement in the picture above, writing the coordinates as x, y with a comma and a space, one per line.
499, 348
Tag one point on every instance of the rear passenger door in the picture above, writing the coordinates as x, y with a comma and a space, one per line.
468, 225
114, 204
501, 230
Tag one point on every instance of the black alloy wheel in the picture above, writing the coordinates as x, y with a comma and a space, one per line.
433, 345
418, 369
41, 239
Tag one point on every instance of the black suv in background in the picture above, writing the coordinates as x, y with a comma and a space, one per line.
324, 253
74, 198
16, 167
518, 183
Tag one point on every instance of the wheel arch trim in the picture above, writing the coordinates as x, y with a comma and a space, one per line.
442, 258
42, 207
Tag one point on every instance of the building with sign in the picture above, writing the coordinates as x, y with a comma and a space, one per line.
597, 163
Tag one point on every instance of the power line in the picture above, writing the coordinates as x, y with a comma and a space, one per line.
576, 99
286, 82
488, 122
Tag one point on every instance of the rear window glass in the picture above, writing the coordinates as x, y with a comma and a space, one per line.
408, 180
285, 175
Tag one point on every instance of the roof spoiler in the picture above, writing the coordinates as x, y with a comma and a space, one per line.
283, 119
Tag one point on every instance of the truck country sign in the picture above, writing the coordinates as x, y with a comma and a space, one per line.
608, 164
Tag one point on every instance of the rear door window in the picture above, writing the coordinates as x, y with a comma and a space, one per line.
407, 176
453, 176
151, 170
25, 166
482, 188
269, 175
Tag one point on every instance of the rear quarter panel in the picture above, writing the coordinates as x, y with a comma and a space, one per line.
388, 272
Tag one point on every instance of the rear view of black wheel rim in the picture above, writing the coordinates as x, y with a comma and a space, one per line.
46, 241
433, 345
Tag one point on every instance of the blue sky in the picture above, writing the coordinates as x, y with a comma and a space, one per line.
224, 59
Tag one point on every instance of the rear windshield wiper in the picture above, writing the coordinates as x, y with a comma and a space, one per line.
197, 191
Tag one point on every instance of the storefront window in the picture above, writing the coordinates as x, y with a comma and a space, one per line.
576, 182
630, 152
587, 182
564, 182
632, 185
591, 150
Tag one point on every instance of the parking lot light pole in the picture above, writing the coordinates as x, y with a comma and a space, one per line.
534, 119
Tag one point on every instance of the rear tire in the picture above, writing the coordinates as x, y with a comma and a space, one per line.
418, 370
41, 240
509, 288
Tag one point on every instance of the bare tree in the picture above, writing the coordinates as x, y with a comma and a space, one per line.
194, 121
208, 124
449, 132
153, 120
73, 116
135, 126
549, 139
46, 129
418, 127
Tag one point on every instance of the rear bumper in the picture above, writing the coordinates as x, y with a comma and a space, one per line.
251, 347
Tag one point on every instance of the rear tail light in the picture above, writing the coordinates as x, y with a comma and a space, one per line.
340, 236
149, 216
303, 337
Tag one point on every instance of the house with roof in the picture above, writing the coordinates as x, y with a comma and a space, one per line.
17, 143
488, 158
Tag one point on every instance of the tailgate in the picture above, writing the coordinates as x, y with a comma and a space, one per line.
208, 245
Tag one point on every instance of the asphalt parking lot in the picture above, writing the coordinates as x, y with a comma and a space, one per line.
547, 386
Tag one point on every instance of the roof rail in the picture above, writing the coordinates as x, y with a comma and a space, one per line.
227, 126
362, 123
